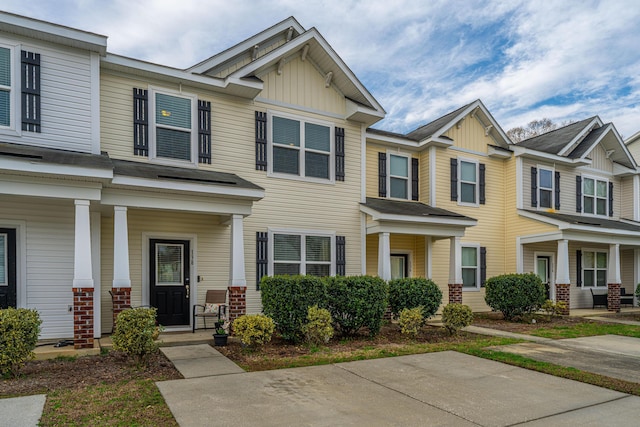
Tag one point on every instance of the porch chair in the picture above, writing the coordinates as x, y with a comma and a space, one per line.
625, 298
215, 306
599, 299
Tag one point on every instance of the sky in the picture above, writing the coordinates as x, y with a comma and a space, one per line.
565, 60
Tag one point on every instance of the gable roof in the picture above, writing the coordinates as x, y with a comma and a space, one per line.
602, 224
554, 141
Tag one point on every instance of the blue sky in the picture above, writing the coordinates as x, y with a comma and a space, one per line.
561, 59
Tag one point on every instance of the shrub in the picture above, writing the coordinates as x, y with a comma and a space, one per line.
456, 316
412, 292
19, 330
318, 329
515, 294
254, 329
286, 300
411, 320
554, 308
356, 302
135, 332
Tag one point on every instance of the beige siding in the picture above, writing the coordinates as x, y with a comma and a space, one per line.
470, 135
424, 181
599, 159
627, 197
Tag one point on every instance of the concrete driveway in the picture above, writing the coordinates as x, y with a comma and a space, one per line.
444, 389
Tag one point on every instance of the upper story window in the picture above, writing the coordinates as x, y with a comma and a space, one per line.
6, 86
467, 182
545, 188
301, 148
300, 253
399, 176
174, 127
595, 196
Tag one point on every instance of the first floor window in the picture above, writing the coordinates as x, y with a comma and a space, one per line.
594, 268
595, 195
301, 254
470, 270
5, 86
174, 126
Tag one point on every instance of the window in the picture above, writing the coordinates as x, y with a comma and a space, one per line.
174, 129
545, 188
302, 254
399, 266
468, 182
470, 264
595, 195
3, 260
301, 148
594, 268
169, 268
398, 176
6, 89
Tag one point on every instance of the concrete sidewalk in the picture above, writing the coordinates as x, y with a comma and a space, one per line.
22, 411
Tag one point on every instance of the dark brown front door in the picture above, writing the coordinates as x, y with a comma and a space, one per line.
7, 268
169, 280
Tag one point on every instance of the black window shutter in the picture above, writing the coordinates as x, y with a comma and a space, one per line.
204, 132
382, 174
483, 265
454, 180
579, 268
482, 186
611, 199
140, 122
415, 166
534, 187
557, 191
30, 67
578, 193
340, 256
339, 154
261, 141
262, 260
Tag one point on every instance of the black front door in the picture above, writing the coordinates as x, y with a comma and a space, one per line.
7, 268
169, 280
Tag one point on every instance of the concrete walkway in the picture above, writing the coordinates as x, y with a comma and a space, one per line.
22, 411
201, 360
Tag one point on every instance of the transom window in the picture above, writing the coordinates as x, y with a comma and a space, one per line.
6, 82
174, 127
594, 269
470, 267
399, 176
301, 148
545, 188
595, 195
302, 254
468, 182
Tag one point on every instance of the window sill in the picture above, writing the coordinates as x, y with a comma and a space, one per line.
301, 178
174, 163
471, 205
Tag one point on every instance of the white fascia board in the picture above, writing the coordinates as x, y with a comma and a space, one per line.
581, 135
243, 193
542, 218
57, 189
48, 31
35, 166
435, 230
574, 228
539, 155
362, 114
542, 237
391, 140
620, 170
595, 143
456, 119
436, 220
499, 153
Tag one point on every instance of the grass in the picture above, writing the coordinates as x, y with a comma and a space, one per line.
587, 330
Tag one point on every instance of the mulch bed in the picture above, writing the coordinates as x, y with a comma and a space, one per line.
496, 321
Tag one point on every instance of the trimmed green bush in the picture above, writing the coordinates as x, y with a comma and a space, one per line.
318, 329
554, 308
19, 330
456, 316
254, 329
411, 320
412, 292
638, 291
356, 302
515, 294
286, 299
135, 332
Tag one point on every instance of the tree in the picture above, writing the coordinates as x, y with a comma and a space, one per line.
533, 128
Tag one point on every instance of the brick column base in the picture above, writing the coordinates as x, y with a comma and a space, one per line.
563, 294
455, 293
121, 300
613, 297
82, 318
237, 302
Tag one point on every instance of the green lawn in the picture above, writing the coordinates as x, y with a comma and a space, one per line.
588, 330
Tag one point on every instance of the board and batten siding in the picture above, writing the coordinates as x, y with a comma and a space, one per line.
65, 98
49, 240
627, 197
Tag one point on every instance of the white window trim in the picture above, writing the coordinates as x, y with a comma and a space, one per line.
152, 127
298, 232
595, 269
595, 198
409, 177
477, 183
478, 266
553, 186
15, 88
302, 148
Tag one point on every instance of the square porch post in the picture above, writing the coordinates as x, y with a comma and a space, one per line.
82, 278
384, 256
455, 270
237, 277
121, 287
563, 282
613, 278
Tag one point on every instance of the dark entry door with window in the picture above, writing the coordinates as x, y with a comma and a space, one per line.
169, 280
8, 268
543, 267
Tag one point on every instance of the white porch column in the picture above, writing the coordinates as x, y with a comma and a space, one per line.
384, 256
82, 270
121, 276
562, 268
455, 261
236, 269
613, 269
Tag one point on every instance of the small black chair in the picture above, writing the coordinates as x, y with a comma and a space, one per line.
599, 299
625, 298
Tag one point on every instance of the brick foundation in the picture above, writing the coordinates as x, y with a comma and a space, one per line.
82, 318
455, 293
237, 302
121, 300
613, 297
563, 294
